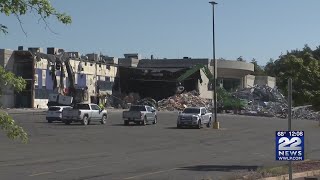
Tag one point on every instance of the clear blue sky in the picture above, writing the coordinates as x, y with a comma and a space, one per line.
174, 28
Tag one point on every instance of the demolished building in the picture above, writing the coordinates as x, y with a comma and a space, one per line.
158, 78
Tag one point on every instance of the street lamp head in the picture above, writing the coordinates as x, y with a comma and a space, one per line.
213, 3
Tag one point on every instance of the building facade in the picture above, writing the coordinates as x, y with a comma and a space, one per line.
104, 77
90, 73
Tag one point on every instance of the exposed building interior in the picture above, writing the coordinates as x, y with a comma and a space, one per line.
156, 83
24, 67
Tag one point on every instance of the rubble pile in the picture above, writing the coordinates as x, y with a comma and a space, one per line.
267, 101
148, 101
181, 101
305, 112
263, 101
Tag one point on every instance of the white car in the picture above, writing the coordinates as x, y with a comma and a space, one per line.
84, 113
195, 117
55, 113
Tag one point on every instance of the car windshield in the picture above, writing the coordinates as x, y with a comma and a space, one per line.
191, 111
137, 108
82, 106
54, 108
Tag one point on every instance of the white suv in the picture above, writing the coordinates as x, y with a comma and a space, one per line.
55, 113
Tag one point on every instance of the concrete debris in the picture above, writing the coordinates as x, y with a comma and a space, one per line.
180, 101
148, 101
267, 101
305, 112
262, 101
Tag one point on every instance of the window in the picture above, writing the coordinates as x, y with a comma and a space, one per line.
203, 111
191, 111
54, 109
82, 106
137, 108
95, 107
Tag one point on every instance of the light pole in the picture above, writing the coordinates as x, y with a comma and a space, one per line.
215, 123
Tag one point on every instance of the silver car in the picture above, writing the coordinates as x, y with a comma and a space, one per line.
194, 117
54, 113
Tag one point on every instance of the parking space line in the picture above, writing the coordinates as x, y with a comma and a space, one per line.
38, 174
21, 163
63, 170
70, 169
151, 173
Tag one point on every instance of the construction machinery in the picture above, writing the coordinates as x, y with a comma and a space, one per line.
61, 96
190, 72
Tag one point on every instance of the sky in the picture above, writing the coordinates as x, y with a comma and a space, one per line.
173, 28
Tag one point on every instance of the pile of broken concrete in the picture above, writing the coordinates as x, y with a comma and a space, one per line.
267, 101
180, 101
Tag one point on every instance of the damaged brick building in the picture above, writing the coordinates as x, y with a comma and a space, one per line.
118, 77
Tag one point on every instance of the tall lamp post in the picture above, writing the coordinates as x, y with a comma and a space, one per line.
215, 123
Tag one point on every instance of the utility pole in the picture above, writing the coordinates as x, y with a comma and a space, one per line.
215, 123
289, 118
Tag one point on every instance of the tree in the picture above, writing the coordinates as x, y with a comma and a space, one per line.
9, 81
42, 8
303, 66
18, 8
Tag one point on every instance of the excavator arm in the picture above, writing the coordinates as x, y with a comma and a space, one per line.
193, 70
60, 59
190, 72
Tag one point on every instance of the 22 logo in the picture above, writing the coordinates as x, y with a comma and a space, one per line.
286, 144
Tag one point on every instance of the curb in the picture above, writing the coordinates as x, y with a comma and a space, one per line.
295, 175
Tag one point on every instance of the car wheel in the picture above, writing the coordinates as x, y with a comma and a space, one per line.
49, 121
104, 119
155, 120
85, 121
67, 122
126, 123
178, 126
199, 124
209, 123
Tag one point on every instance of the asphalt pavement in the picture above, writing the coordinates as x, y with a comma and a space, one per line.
153, 152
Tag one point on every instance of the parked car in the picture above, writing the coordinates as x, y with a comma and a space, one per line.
194, 117
140, 114
84, 113
54, 113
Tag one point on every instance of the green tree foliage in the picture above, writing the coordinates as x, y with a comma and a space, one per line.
18, 8
42, 8
303, 67
9, 81
12, 130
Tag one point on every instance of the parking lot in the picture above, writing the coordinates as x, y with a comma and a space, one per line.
157, 152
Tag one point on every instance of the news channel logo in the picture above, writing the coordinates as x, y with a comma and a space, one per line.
290, 145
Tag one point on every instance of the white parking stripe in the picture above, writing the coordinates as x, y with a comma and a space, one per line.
151, 173
59, 171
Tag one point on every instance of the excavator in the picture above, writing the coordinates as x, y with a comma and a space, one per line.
191, 71
57, 62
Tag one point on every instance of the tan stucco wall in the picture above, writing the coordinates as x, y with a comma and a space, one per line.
90, 71
265, 80
203, 87
40, 103
7, 61
249, 81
